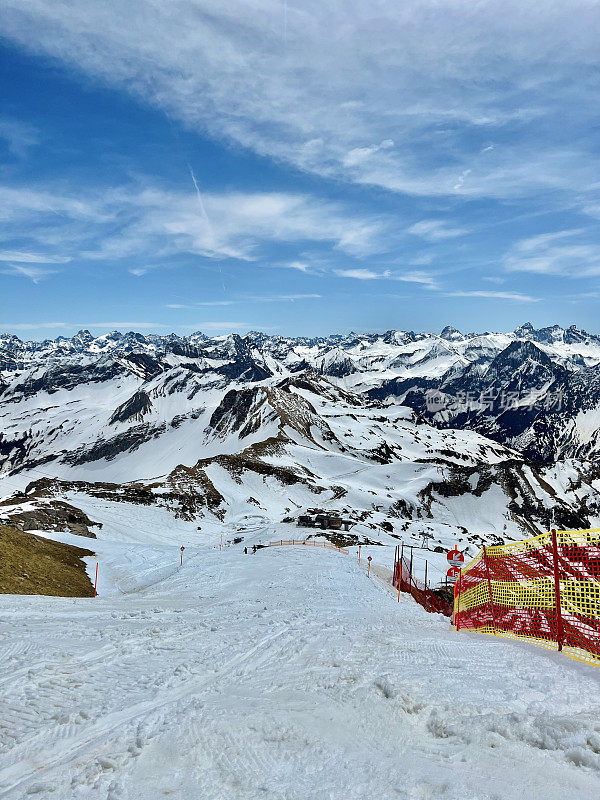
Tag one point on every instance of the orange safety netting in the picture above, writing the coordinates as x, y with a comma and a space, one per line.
545, 589
308, 543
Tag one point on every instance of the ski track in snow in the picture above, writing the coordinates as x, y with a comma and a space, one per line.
282, 675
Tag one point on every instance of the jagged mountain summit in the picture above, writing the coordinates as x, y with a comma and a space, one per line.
485, 434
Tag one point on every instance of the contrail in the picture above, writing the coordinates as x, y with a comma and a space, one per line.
211, 238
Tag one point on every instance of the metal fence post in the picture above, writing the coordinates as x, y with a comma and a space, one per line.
559, 623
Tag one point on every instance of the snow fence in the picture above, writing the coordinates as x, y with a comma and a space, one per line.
405, 581
309, 543
545, 589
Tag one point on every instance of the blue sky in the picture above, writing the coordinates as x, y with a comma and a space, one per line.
297, 169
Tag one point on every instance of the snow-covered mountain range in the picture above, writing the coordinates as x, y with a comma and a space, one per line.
481, 436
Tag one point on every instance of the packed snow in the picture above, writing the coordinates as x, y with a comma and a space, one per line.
281, 675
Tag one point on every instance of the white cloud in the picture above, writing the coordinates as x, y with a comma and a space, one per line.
35, 274
345, 76
517, 297
277, 298
415, 276
301, 266
567, 253
31, 258
424, 278
360, 154
31, 326
151, 222
436, 230
361, 274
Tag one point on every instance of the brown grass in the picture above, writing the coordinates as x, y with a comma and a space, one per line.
32, 565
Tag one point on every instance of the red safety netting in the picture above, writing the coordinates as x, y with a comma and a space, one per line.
546, 589
430, 599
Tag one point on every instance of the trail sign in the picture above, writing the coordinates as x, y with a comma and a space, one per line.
455, 557
453, 573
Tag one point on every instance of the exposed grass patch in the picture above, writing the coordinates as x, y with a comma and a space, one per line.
32, 565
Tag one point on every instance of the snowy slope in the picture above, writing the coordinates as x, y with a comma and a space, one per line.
288, 674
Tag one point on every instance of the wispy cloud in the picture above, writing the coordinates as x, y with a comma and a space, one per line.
144, 221
31, 326
266, 298
424, 278
301, 266
32, 258
346, 80
436, 230
361, 274
358, 155
19, 136
567, 253
516, 297
34, 273
415, 276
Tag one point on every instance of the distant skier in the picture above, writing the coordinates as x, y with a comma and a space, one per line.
253, 549
245, 551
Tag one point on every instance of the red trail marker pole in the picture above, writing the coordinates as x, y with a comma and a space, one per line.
489, 583
96, 579
401, 563
457, 621
359, 554
369, 569
559, 622
182, 548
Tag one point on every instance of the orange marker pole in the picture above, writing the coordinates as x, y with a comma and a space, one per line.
96, 580
369, 570
359, 554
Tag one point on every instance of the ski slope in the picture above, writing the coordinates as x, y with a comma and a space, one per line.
282, 675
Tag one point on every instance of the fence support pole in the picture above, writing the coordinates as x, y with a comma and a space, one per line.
426, 598
457, 620
410, 580
96, 579
559, 622
401, 563
489, 582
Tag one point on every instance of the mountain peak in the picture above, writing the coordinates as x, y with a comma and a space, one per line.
524, 329
449, 333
